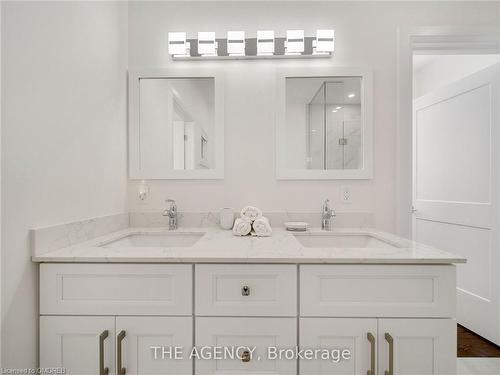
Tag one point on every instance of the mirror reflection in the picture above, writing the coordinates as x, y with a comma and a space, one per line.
177, 123
324, 123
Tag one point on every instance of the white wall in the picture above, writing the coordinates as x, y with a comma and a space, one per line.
63, 141
433, 71
365, 36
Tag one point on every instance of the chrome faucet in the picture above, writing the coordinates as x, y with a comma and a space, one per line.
171, 212
327, 216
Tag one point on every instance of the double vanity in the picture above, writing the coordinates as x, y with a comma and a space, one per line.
108, 302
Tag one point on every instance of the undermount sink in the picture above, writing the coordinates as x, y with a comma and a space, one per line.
173, 239
333, 240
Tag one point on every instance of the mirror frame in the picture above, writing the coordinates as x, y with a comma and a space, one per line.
135, 171
285, 173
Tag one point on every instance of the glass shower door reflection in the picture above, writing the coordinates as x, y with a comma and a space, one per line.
334, 138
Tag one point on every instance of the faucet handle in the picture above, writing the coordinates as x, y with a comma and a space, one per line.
326, 205
172, 210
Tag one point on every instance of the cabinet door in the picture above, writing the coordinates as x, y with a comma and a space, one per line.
148, 346
358, 336
75, 343
420, 346
258, 333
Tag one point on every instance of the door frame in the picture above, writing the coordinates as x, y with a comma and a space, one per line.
426, 40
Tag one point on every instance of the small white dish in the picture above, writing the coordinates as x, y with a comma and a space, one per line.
296, 226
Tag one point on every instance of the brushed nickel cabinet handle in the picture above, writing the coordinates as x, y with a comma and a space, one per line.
102, 370
245, 291
390, 340
371, 338
245, 356
119, 340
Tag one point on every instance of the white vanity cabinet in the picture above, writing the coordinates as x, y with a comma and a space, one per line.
98, 316
388, 342
395, 318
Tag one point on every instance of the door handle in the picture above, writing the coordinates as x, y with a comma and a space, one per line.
102, 370
390, 340
245, 291
119, 339
246, 356
371, 338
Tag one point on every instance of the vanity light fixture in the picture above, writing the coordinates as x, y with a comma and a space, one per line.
324, 42
207, 45
338, 107
177, 44
335, 111
265, 42
352, 95
294, 44
236, 43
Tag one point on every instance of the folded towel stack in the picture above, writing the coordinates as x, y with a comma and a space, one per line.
242, 227
261, 227
251, 217
251, 213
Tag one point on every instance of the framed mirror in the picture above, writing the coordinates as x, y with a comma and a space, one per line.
324, 124
176, 124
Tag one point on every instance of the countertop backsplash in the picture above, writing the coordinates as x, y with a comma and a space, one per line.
59, 236
145, 219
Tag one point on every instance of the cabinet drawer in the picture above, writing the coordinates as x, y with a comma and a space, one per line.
377, 291
258, 334
246, 290
115, 289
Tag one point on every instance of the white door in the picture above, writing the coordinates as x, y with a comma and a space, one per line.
358, 336
418, 346
456, 171
249, 333
147, 345
76, 343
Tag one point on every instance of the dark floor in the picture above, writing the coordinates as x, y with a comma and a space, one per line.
471, 345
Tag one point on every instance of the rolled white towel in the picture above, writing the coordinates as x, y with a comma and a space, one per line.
251, 213
262, 227
242, 227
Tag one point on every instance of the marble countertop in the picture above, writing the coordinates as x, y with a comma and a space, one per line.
220, 246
